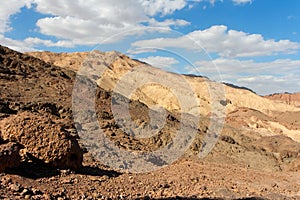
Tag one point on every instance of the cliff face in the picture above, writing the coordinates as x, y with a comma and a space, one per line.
289, 99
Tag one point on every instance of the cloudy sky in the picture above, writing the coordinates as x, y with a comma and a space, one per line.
252, 43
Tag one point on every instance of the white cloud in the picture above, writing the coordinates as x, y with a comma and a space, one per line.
160, 61
261, 79
30, 43
238, 2
89, 22
227, 43
113, 12
231, 66
15, 44
168, 23
266, 84
37, 41
164, 7
280, 75
7, 8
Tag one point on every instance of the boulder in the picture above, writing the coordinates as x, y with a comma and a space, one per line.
45, 137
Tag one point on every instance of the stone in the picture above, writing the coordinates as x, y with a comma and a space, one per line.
44, 137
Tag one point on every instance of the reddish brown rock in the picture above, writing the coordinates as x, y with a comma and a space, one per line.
44, 137
290, 99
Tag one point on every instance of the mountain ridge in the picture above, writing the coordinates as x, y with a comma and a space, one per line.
260, 103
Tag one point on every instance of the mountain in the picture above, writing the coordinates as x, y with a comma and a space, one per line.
211, 97
236, 97
102, 125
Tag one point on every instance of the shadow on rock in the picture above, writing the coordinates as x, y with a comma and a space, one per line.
36, 170
33, 170
94, 171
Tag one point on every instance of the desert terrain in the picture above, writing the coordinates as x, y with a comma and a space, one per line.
49, 147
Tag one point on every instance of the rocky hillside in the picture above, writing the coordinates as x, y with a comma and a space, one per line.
35, 109
49, 125
117, 65
181, 93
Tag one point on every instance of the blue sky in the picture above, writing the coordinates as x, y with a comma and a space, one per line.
252, 43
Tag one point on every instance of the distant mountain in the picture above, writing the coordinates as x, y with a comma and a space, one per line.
195, 76
239, 87
287, 98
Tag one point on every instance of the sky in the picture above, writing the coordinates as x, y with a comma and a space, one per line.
250, 43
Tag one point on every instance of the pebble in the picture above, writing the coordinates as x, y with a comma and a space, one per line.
66, 181
46, 196
95, 195
15, 187
24, 192
204, 188
35, 191
65, 172
76, 180
94, 178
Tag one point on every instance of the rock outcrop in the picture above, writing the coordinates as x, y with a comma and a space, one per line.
35, 109
287, 98
44, 137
